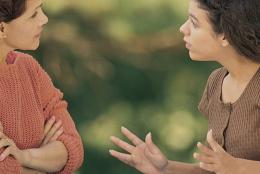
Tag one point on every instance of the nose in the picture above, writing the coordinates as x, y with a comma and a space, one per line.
44, 19
185, 28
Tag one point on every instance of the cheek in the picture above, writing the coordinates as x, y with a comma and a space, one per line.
203, 45
20, 38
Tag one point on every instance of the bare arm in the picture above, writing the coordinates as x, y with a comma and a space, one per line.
248, 166
49, 158
175, 167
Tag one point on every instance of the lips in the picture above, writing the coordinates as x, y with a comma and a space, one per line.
188, 45
39, 34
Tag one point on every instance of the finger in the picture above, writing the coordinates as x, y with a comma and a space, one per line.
126, 158
151, 146
56, 135
48, 125
204, 149
132, 137
4, 142
208, 167
204, 158
212, 142
127, 147
54, 129
5, 153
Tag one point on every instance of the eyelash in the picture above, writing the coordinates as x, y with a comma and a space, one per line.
193, 23
34, 15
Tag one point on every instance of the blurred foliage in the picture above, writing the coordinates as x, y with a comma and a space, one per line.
123, 62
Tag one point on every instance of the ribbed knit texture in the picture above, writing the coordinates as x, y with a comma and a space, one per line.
236, 126
28, 100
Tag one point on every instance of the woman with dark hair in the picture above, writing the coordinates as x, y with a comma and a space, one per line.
228, 32
37, 133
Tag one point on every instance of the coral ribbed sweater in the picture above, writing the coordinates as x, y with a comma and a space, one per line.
28, 99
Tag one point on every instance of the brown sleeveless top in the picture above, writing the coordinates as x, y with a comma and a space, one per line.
236, 126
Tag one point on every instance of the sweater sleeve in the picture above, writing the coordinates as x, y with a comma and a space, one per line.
53, 105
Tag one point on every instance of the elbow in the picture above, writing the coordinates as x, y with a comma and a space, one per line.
74, 158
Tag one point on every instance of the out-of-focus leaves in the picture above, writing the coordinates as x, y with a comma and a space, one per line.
123, 63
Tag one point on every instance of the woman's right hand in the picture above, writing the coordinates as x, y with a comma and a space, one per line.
52, 130
144, 156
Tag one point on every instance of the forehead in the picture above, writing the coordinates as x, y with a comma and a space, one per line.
195, 10
201, 14
32, 4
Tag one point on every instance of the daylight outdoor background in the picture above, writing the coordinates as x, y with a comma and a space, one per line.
124, 63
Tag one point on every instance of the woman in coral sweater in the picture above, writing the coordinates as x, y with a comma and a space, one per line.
37, 133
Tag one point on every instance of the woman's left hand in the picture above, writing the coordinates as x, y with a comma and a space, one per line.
216, 159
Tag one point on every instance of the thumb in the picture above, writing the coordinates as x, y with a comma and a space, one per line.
150, 145
212, 142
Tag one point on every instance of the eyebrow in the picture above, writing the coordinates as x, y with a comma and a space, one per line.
194, 17
38, 6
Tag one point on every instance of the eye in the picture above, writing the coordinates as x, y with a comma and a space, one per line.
193, 23
34, 15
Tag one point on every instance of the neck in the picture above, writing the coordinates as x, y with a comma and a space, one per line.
3, 54
239, 67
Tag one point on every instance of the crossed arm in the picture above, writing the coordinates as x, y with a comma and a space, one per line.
51, 156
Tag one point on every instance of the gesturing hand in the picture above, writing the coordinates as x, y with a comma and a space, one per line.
216, 159
144, 156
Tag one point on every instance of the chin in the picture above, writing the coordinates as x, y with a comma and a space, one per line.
197, 57
35, 46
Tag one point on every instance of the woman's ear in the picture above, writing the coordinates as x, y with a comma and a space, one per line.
224, 41
2, 31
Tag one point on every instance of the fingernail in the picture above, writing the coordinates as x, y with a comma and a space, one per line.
198, 144
112, 137
195, 155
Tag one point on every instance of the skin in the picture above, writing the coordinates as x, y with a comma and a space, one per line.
203, 45
24, 33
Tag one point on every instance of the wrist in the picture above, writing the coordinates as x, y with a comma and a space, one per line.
165, 168
25, 157
239, 166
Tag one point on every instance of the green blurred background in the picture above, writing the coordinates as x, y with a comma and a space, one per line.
124, 63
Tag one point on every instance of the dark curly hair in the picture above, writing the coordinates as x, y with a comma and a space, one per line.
239, 21
11, 9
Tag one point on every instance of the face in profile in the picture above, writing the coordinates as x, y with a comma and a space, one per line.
201, 41
24, 32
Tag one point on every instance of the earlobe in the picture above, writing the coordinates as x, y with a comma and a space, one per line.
2, 31
224, 41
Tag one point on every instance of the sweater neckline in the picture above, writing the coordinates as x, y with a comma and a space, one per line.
244, 93
10, 66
